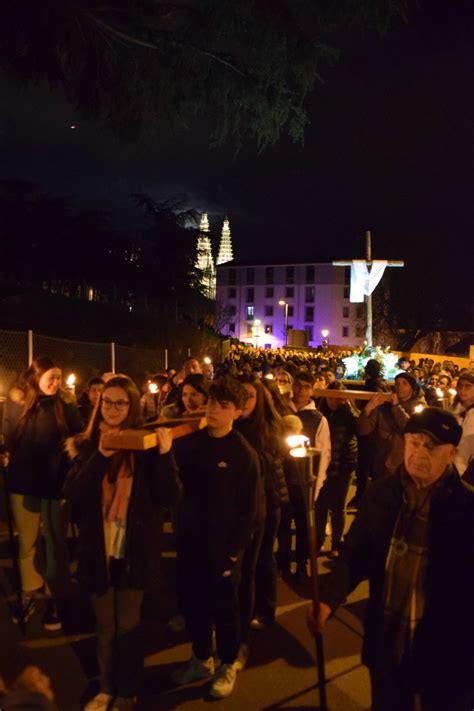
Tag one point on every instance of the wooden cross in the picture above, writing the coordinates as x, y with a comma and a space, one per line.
368, 332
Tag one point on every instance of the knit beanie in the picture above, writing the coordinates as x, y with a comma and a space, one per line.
411, 380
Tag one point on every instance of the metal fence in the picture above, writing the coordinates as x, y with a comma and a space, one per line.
85, 359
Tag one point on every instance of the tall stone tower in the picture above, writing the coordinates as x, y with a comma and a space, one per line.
225, 247
204, 259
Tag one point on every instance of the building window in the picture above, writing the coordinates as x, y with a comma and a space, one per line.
309, 332
268, 311
309, 313
269, 292
232, 310
269, 328
268, 275
250, 295
345, 331
309, 294
250, 311
347, 275
231, 327
345, 312
291, 310
309, 274
231, 293
250, 275
290, 275
290, 292
232, 275
346, 292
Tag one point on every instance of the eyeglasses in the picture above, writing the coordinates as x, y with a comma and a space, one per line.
117, 404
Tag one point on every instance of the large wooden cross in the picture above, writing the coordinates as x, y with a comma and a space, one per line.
368, 261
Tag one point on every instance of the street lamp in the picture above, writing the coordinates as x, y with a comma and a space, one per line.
325, 335
285, 304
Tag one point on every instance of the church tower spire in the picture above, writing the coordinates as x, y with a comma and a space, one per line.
204, 260
225, 247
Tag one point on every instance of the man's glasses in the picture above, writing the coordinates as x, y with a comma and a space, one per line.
117, 404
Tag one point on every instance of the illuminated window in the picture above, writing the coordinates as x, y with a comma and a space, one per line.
250, 311
269, 328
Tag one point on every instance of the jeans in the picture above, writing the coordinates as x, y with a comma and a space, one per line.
119, 640
47, 559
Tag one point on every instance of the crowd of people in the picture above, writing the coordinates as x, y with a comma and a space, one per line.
232, 490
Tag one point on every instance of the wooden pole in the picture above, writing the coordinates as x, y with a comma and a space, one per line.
368, 333
30, 347
313, 562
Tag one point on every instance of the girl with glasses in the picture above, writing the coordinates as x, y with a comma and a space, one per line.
115, 494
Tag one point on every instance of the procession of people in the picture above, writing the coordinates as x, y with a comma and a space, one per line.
233, 493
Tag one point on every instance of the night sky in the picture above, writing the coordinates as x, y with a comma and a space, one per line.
389, 148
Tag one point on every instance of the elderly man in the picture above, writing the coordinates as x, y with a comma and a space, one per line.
413, 539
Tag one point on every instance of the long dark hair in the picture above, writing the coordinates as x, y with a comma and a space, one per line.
134, 418
263, 428
29, 384
196, 381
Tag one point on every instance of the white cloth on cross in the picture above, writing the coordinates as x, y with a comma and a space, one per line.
363, 281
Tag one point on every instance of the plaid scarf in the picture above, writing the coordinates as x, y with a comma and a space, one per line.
405, 568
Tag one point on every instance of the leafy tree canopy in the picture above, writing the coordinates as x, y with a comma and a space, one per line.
246, 66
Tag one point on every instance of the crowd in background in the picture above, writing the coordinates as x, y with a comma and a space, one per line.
233, 538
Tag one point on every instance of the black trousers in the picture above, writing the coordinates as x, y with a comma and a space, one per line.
266, 572
393, 691
332, 498
247, 581
296, 510
209, 602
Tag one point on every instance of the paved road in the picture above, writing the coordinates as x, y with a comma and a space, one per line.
280, 674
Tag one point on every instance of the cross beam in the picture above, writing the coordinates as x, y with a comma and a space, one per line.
368, 259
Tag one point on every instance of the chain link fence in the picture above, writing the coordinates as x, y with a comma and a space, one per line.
85, 359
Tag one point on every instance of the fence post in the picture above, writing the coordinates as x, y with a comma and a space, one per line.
166, 359
30, 348
112, 356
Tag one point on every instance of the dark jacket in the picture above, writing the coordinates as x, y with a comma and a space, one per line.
443, 650
342, 427
38, 463
218, 510
155, 484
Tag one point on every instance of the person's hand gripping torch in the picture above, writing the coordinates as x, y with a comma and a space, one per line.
300, 448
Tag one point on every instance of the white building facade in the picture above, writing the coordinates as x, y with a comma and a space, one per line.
317, 296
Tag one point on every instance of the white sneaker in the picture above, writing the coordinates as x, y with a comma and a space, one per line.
194, 670
224, 681
242, 658
100, 702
